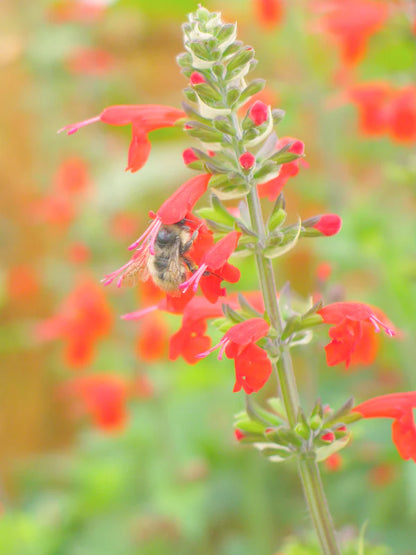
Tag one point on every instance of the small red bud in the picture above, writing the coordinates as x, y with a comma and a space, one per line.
342, 428
329, 437
238, 434
189, 156
247, 160
258, 113
328, 224
196, 78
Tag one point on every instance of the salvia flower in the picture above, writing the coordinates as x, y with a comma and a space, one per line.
177, 207
214, 268
252, 365
269, 13
325, 224
354, 324
143, 119
398, 406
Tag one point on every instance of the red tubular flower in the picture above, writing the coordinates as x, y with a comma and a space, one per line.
272, 189
214, 261
401, 115
398, 406
84, 318
252, 365
143, 118
189, 156
269, 13
355, 324
351, 23
101, 396
190, 339
196, 78
328, 224
371, 100
177, 207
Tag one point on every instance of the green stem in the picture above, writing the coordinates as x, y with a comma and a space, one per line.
308, 468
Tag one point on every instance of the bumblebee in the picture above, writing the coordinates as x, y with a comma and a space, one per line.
168, 265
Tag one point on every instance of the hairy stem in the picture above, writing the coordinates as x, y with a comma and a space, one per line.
308, 468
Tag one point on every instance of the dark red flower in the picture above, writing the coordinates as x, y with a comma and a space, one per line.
102, 397
214, 268
354, 324
252, 365
83, 319
398, 406
143, 119
272, 189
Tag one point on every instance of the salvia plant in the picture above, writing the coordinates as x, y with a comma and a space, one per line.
239, 160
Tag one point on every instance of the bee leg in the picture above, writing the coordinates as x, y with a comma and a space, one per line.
192, 267
186, 246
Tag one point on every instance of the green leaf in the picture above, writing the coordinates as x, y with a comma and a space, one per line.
278, 250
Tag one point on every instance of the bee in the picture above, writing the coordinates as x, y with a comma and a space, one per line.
168, 265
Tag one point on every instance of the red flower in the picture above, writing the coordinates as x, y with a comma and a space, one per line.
190, 339
371, 100
252, 365
351, 23
101, 396
78, 253
90, 61
398, 406
143, 118
328, 224
72, 176
196, 78
80, 11
189, 156
214, 261
355, 324
258, 113
401, 115
273, 188
22, 282
176, 208
153, 338
247, 160
269, 13
83, 319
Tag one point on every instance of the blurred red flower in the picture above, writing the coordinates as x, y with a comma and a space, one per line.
143, 119
269, 13
72, 176
398, 406
401, 115
352, 335
22, 282
78, 253
84, 317
252, 365
351, 23
272, 189
80, 11
90, 61
102, 397
153, 338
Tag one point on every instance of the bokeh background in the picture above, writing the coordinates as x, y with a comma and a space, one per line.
160, 471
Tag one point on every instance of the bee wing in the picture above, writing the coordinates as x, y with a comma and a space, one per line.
137, 270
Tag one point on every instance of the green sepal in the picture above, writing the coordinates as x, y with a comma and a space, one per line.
219, 70
315, 422
196, 165
326, 451
278, 115
228, 187
232, 49
267, 416
292, 326
276, 454
247, 308
266, 170
226, 32
288, 437
233, 94
256, 86
190, 94
240, 59
184, 60
302, 430
222, 124
207, 93
276, 219
277, 406
217, 213
285, 157
251, 426
204, 132
341, 414
274, 251
232, 314
193, 114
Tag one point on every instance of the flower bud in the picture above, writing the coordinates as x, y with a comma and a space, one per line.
328, 224
238, 434
258, 113
329, 437
196, 78
247, 160
189, 156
